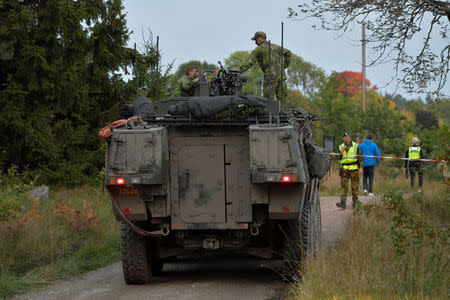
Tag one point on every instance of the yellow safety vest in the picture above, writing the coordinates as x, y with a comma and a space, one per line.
414, 152
349, 158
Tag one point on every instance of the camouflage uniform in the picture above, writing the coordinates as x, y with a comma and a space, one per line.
349, 170
186, 86
274, 75
353, 175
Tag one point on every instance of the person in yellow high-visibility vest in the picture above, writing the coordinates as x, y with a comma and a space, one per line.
349, 169
414, 152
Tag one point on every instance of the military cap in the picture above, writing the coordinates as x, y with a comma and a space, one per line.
346, 133
259, 34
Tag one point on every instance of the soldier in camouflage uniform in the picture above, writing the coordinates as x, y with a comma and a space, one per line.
349, 169
187, 82
274, 75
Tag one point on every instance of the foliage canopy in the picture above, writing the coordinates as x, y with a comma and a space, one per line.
392, 27
60, 70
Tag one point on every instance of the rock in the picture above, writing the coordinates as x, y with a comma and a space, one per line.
40, 192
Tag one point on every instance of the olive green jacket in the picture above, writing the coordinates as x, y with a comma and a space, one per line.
186, 86
264, 57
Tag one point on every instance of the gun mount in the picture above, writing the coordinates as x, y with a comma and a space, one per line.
227, 82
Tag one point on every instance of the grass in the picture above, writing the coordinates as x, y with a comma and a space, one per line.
75, 231
396, 249
45, 241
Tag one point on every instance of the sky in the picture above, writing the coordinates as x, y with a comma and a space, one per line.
210, 30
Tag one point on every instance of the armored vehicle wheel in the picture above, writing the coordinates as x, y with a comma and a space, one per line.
311, 225
157, 265
303, 237
136, 263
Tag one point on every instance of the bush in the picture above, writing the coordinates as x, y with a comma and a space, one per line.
73, 228
13, 189
394, 249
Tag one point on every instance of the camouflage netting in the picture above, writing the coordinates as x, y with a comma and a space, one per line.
318, 158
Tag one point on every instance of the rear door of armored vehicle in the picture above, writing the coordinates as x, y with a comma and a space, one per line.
210, 180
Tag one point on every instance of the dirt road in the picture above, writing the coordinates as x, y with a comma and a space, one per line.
209, 278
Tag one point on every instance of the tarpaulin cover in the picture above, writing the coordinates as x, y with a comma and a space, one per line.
144, 108
141, 107
126, 111
200, 107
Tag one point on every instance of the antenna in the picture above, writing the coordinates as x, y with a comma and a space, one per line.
283, 98
138, 113
157, 68
135, 70
270, 72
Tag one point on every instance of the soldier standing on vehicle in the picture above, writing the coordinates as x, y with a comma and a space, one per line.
188, 82
269, 57
349, 169
414, 152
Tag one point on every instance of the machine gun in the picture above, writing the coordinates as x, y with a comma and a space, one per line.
226, 82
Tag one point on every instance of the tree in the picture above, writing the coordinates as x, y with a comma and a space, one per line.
337, 114
436, 143
389, 134
414, 105
255, 76
154, 81
391, 26
304, 76
301, 75
351, 82
201, 66
398, 99
296, 99
426, 119
60, 69
442, 110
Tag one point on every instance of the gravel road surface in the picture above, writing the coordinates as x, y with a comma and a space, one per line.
206, 278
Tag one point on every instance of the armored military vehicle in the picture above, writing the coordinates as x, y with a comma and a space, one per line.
217, 172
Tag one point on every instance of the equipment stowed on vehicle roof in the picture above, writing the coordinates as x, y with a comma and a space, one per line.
224, 172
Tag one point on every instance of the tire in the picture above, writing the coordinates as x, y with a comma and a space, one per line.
157, 265
136, 263
303, 238
311, 226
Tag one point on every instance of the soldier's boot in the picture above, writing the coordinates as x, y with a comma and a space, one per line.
355, 202
342, 203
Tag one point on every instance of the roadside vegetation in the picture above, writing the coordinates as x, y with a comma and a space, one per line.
42, 241
50, 115
396, 248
